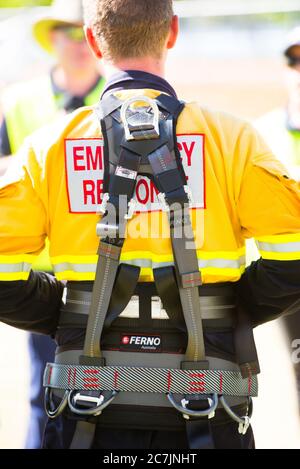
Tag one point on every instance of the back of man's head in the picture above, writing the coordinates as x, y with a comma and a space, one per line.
129, 28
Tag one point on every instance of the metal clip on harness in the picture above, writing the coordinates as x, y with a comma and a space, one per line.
101, 402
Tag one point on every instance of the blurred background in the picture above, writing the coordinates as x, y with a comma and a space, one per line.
228, 57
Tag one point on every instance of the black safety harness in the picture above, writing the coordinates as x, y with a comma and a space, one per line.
140, 139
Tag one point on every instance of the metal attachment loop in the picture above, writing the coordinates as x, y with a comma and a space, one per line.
209, 412
52, 414
100, 401
244, 422
139, 126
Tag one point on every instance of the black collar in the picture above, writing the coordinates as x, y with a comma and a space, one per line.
135, 79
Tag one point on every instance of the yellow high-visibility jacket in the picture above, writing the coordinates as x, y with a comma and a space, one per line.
239, 189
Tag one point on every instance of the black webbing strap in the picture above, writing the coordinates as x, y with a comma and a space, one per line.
199, 434
125, 284
245, 347
83, 436
165, 281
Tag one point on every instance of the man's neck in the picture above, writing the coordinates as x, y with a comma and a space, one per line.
150, 65
76, 83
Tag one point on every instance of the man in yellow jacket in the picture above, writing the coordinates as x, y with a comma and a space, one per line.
73, 81
234, 189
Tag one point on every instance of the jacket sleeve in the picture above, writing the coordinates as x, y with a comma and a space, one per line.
27, 300
269, 211
32, 305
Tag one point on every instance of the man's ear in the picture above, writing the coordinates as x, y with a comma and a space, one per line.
93, 44
174, 30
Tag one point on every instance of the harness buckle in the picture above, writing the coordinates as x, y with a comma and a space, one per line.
93, 404
187, 413
104, 230
140, 122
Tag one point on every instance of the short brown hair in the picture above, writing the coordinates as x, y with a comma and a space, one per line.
129, 28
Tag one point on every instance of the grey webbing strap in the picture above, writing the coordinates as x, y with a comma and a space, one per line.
107, 266
83, 436
163, 164
149, 379
189, 279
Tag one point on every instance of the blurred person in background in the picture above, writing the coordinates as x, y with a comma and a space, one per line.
74, 81
281, 130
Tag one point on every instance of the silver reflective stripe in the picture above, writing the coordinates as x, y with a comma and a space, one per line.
149, 264
18, 267
278, 247
81, 268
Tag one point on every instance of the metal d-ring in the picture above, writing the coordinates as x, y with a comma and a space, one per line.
209, 412
52, 414
101, 402
243, 421
144, 99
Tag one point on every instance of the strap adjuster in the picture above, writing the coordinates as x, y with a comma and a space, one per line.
104, 230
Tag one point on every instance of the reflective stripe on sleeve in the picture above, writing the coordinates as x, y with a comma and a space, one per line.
280, 247
15, 267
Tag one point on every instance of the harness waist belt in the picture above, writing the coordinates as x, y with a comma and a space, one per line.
155, 380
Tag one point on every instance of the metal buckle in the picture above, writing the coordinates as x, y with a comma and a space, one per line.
104, 230
142, 126
187, 413
100, 402
244, 422
52, 414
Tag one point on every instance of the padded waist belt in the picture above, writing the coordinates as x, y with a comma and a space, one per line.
219, 311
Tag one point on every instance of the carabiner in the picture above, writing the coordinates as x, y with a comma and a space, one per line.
244, 421
209, 412
52, 414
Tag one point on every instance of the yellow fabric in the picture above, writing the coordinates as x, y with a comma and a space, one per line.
29, 106
247, 195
